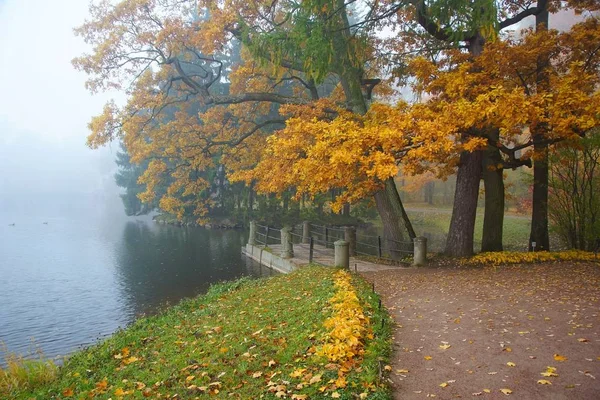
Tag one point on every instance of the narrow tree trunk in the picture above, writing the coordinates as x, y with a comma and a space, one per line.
250, 198
462, 225
539, 216
346, 210
493, 180
428, 192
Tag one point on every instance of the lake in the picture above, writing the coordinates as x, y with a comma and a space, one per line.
72, 278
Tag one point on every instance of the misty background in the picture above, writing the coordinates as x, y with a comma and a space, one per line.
45, 167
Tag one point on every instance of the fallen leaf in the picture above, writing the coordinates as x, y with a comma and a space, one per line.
68, 392
299, 396
544, 382
445, 346
387, 368
402, 371
558, 357
511, 364
335, 395
257, 374
130, 360
506, 391
444, 384
487, 390
429, 358
582, 340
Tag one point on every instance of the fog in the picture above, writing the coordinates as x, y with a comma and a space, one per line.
44, 111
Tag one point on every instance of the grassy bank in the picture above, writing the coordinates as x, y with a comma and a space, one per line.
282, 337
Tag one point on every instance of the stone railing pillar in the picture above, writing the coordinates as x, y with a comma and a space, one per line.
350, 237
306, 232
287, 248
252, 235
341, 256
420, 251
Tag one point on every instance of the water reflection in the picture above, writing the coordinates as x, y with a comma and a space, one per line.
75, 280
158, 264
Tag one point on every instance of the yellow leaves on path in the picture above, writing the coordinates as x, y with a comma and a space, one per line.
544, 382
445, 346
506, 391
427, 358
348, 326
514, 257
511, 364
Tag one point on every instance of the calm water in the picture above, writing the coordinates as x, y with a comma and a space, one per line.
67, 283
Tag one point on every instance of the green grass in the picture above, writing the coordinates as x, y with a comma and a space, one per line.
237, 341
515, 234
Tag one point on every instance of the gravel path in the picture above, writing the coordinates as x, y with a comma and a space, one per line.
469, 333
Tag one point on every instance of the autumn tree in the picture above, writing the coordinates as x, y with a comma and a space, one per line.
439, 25
167, 57
507, 97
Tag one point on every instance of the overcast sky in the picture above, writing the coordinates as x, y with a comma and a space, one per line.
44, 106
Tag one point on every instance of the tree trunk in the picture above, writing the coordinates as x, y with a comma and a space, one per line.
428, 192
493, 180
250, 198
464, 210
346, 210
393, 215
539, 216
462, 225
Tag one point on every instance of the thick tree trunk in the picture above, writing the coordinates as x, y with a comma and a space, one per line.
493, 180
462, 225
464, 210
393, 216
539, 216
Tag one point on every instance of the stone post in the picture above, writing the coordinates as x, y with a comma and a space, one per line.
420, 251
252, 235
306, 232
341, 257
287, 249
350, 237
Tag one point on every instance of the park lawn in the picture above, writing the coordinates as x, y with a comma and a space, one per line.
436, 223
244, 339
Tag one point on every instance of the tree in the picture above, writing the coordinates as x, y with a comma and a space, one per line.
127, 178
574, 182
506, 99
160, 49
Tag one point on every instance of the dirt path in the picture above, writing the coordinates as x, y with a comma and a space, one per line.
469, 333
